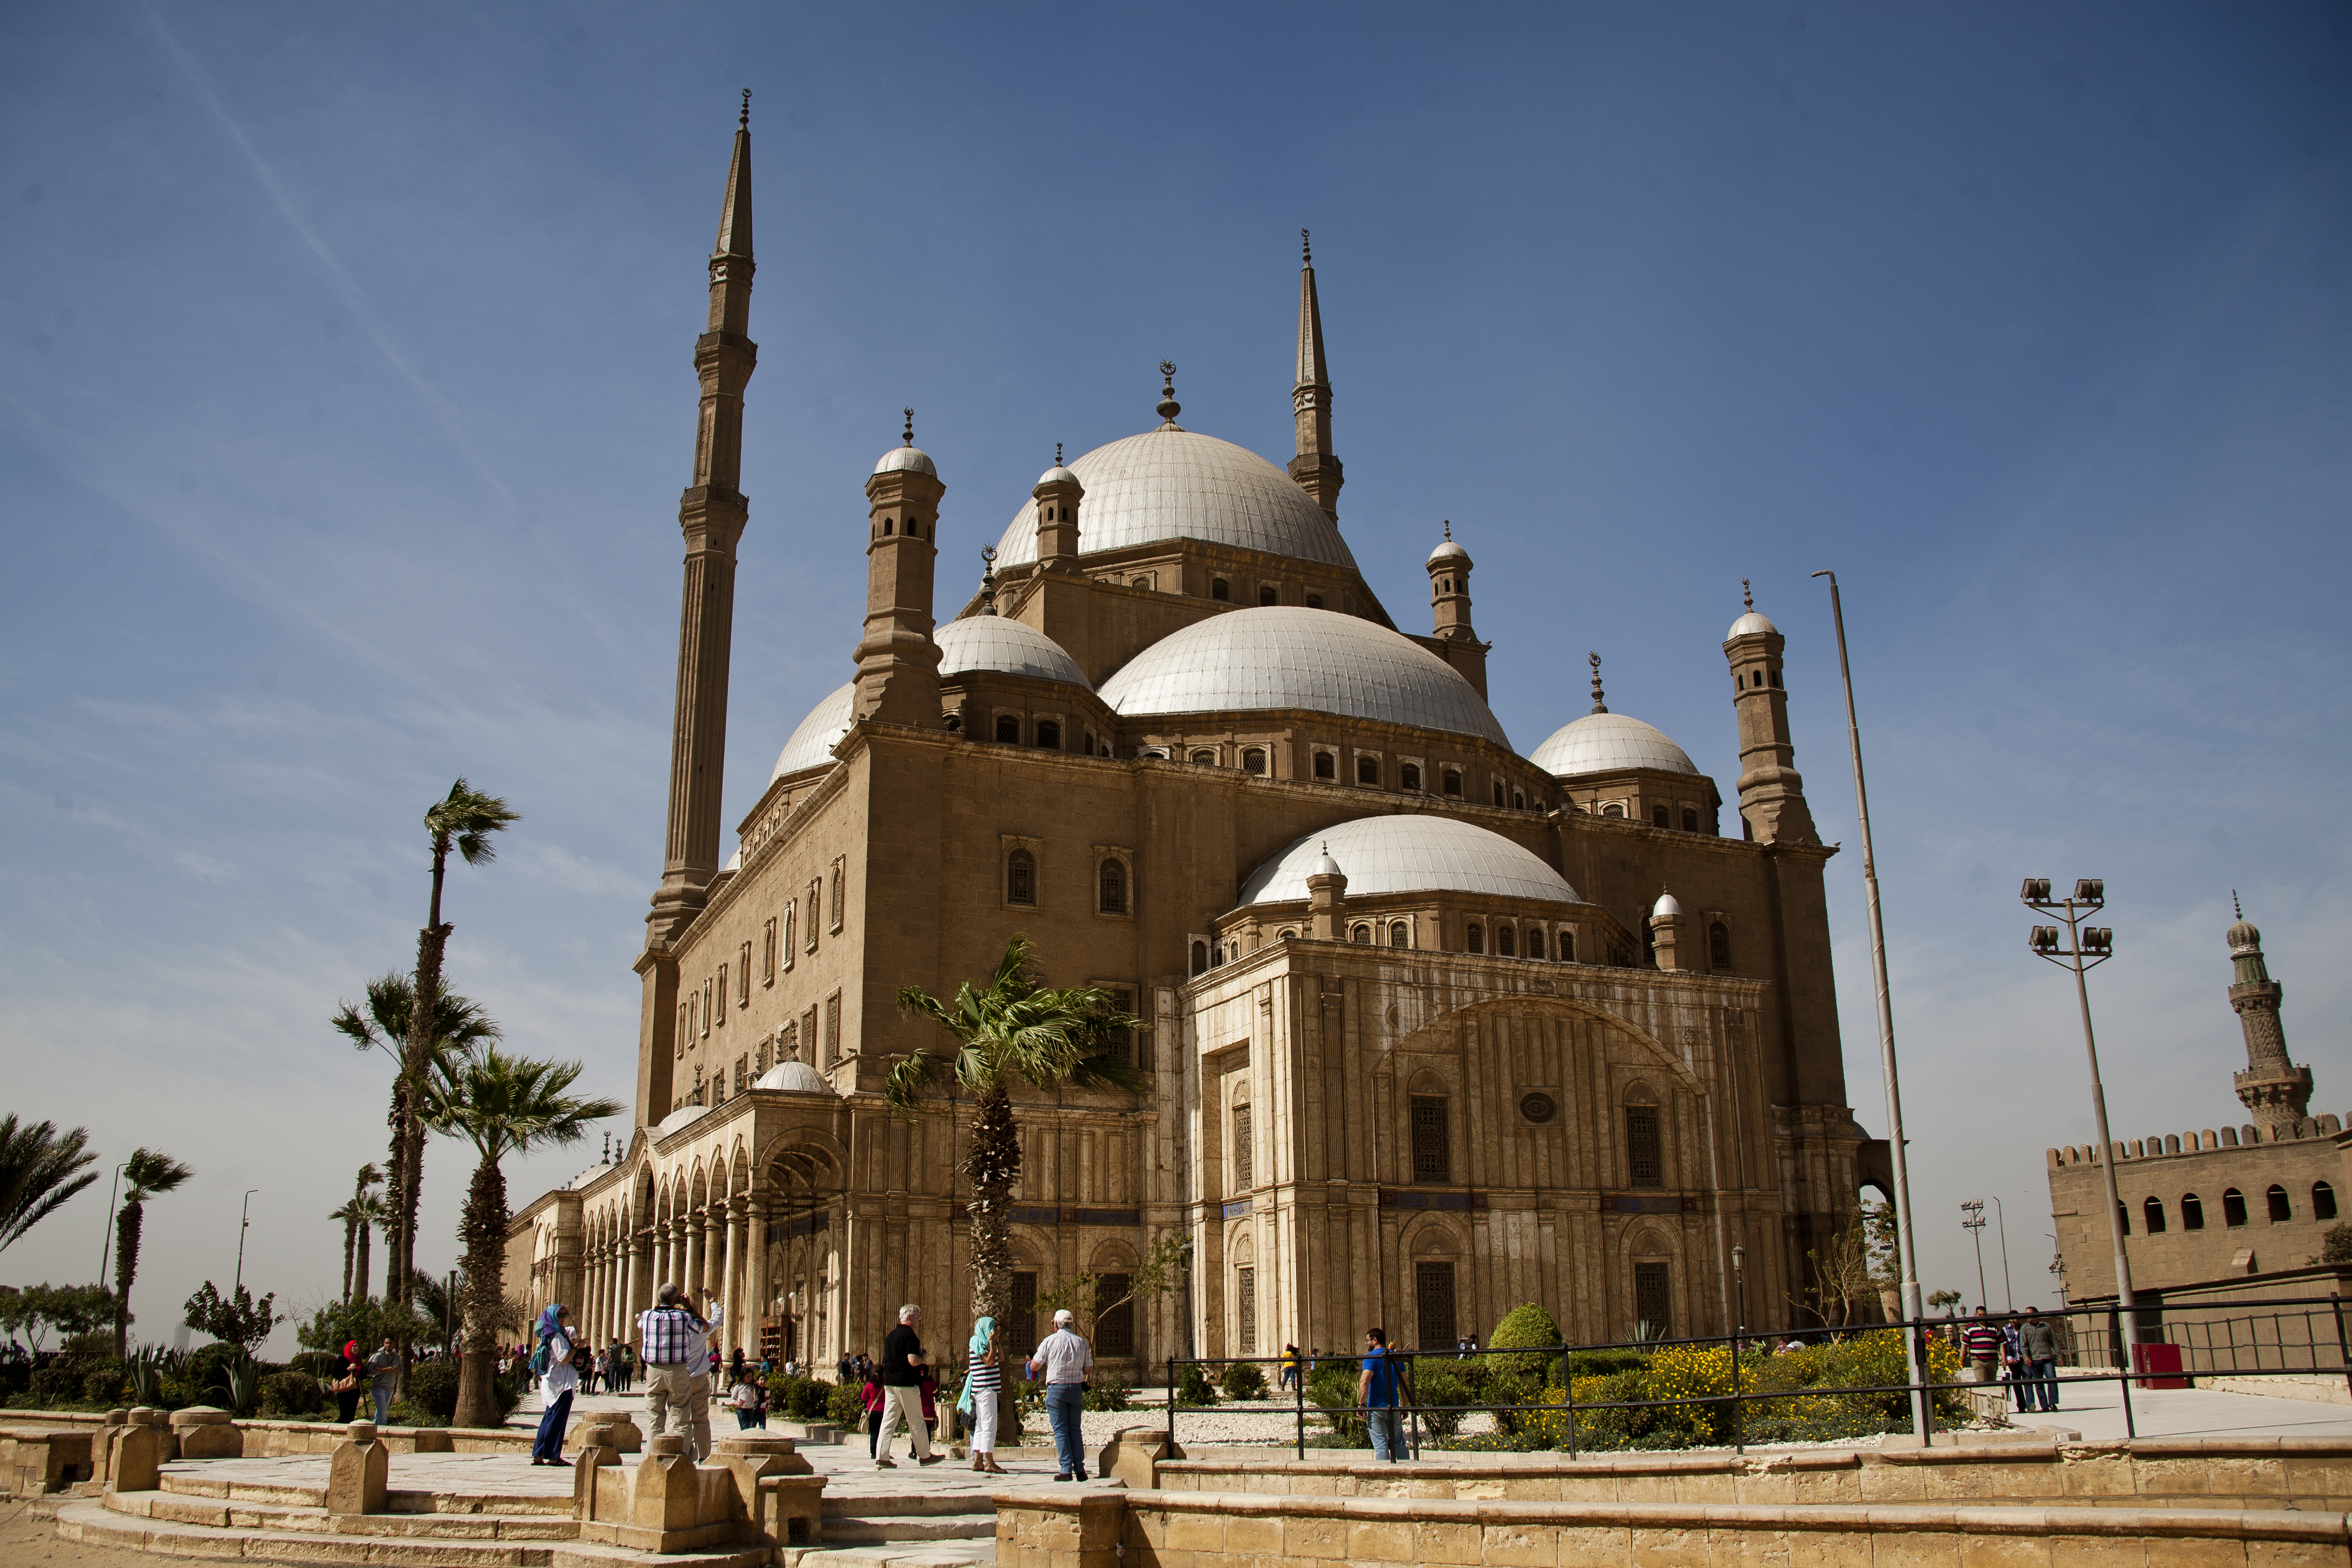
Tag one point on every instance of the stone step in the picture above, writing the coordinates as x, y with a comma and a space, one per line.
89, 1522
865, 1527
907, 1505
279, 1494
896, 1554
419, 1526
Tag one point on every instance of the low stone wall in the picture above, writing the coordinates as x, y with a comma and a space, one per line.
1211, 1530
282, 1440
2324, 1388
2154, 1472
34, 1461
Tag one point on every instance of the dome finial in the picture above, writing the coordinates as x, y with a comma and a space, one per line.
1306, 249
1449, 528
1169, 408
988, 579
908, 437
1745, 597
1057, 454
2234, 908
1598, 705
744, 123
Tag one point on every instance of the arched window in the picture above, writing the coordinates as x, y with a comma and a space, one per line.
1113, 887
1266, 597
1205, 758
2192, 1211
886, 528
1008, 730
1220, 589
1645, 1162
1326, 766
2280, 1210
1519, 800
2123, 1217
955, 723
1718, 947
1021, 877
1658, 816
1362, 934
1314, 601
1049, 734
1200, 958
2322, 1201
1498, 792
1409, 777
1453, 782
1567, 947
1400, 936
1473, 938
1368, 771
1505, 943
1535, 942
1244, 1152
1432, 1147
1614, 809
2233, 1208
2154, 1210
1253, 759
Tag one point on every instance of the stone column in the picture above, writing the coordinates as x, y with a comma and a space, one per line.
665, 1255
755, 1269
731, 1256
713, 1275
686, 1259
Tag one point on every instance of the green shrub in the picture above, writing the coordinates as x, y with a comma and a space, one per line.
1332, 1390
432, 1388
506, 1393
105, 1383
293, 1395
1193, 1387
1600, 1363
1243, 1380
1105, 1392
55, 1385
845, 1406
1437, 1382
799, 1398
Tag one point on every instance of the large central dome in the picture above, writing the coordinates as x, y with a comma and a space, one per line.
1316, 660
1174, 484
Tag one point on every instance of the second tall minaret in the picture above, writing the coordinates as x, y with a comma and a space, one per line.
1315, 469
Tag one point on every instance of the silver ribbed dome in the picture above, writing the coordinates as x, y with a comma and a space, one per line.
793, 1077
1179, 484
901, 459
1747, 624
1410, 854
1317, 660
1608, 743
997, 643
812, 743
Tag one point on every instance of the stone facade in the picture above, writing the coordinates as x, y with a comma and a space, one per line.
1503, 1068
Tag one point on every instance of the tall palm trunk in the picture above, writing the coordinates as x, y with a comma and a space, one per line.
992, 1167
403, 1119
126, 1269
351, 1239
408, 1131
484, 1231
362, 1277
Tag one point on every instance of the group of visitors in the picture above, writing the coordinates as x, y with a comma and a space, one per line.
2022, 1353
376, 1375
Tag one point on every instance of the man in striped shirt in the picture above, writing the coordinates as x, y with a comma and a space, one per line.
677, 1354
1983, 1344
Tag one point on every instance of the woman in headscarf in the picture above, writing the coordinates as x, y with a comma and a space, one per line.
350, 1382
983, 1382
557, 1381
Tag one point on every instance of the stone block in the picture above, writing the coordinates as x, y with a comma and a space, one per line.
1252, 1534
666, 1495
1519, 1546
357, 1472
1381, 1540
1196, 1533
2096, 1552
1978, 1550
142, 1451
2293, 1553
1323, 1539
1445, 1541
1133, 1455
207, 1432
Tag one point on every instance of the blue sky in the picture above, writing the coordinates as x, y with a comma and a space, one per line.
345, 396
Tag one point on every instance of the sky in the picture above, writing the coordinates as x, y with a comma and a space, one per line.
346, 392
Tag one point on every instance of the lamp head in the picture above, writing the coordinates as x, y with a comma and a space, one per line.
2036, 890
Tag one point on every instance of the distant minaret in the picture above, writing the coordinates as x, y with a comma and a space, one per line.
711, 514
897, 662
2276, 1092
1315, 469
1449, 606
1057, 493
1771, 791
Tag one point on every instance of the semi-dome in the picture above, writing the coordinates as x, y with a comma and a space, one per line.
677, 1118
812, 743
1610, 743
1748, 625
1410, 854
905, 459
1665, 907
1179, 484
1010, 646
793, 1077
1317, 660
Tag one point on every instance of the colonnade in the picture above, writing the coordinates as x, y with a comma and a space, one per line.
718, 1252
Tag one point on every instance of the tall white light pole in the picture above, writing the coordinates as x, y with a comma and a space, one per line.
1905, 1254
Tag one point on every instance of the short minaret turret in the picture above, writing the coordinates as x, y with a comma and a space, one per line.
1326, 900
2276, 1092
1315, 469
897, 662
1057, 493
1449, 600
1667, 931
1771, 792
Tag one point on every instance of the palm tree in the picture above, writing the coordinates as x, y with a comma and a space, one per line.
350, 1215
385, 1026
502, 1105
1014, 1027
372, 1212
150, 1173
40, 1168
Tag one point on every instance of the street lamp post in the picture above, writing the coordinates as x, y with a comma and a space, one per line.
106, 1239
1905, 1254
1740, 1273
244, 1222
2001, 1229
2085, 948
1974, 1224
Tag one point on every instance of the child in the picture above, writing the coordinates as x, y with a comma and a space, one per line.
746, 1400
872, 1400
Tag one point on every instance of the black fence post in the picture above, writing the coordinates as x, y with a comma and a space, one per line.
1738, 1404
1172, 1406
2336, 1299
1298, 1394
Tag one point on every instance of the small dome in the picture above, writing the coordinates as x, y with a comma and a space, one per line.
905, 459
1318, 661
1057, 475
734, 861
2244, 938
1449, 550
1608, 743
793, 1077
1010, 646
679, 1117
1410, 854
812, 743
1665, 905
1326, 867
1748, 625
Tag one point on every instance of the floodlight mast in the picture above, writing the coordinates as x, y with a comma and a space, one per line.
2086, 948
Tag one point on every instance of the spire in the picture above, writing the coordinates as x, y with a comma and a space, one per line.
1057, 454
987, 580
2274, 1089
731, 255
1316, 471
2234, 908
1745, 597
1599, 704
1169, 408
906, 436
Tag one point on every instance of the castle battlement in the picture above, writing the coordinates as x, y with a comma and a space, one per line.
2174, 1145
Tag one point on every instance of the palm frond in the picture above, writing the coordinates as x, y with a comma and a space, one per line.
40, 1170
509, 1105
150, 1172
467, 817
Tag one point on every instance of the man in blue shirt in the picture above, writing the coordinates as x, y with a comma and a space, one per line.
1380, 1391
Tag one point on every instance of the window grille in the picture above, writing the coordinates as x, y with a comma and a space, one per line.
722, 996
1474, 939
1505, 942
1535, 942
1008, 729
1409, 777
1644, 1162
1653, 1298
1399, 936
840, 893
743, 977
1113, 887
1326, 766
1114, 1317
1245, 1310
1433, 1151
1049, 735
1718, 947
1021, 877
1433, 1301
1245, 1164
768, 952
1254, 760
833, 1030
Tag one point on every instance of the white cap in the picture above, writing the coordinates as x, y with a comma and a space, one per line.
1065, 1316
1665, 905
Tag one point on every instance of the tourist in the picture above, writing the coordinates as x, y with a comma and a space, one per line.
350, 1376
628, 1358
2012, 1364
1065, 1360
1982, 1342
902, 1369
676, 1347
745, 1398
735, 1365
600, 1372
1289, 1367
558, 1379
983, 1384
2040, 1337
384, 1378
1380, 1391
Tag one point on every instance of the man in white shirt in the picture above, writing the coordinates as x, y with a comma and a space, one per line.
1065, 1360
677, 1365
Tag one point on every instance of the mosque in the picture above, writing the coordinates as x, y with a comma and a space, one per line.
1432, 1027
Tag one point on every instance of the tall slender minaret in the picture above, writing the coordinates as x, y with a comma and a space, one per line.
2274, 1092
1315, 469
711, 514
1771, 791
